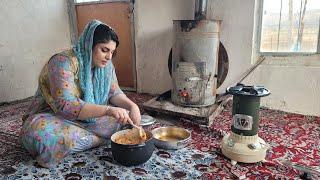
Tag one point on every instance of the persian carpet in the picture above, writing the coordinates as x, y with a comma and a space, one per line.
291, 137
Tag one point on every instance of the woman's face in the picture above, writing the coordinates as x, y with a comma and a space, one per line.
102, 53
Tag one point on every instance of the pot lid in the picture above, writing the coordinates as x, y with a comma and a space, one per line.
147, 120
243, 90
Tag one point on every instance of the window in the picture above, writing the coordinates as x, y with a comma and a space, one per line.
290, 26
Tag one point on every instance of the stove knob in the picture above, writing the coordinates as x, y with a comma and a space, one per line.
252, 146
230, 143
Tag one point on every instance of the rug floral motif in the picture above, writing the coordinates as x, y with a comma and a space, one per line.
292, 137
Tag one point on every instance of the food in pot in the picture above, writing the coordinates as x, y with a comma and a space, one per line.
129, 138
142, 134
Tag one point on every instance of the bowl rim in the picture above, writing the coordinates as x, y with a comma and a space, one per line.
174, 127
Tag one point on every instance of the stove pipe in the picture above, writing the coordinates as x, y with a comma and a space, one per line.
200, 9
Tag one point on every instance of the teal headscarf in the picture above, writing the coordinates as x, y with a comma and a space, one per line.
95, 83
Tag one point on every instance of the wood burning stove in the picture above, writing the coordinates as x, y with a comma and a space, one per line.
193, 68
194, 62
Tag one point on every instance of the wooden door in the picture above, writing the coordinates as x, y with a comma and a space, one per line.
118, 16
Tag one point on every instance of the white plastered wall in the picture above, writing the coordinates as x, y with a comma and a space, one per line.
31, 31
154, 39
294, 81
236, 34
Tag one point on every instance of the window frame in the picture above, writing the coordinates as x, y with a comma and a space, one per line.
280, 54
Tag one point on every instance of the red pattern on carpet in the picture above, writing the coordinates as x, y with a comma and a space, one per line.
292, 137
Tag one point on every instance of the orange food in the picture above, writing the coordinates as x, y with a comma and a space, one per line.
129, 138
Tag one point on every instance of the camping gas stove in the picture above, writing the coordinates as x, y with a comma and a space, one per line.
243, 144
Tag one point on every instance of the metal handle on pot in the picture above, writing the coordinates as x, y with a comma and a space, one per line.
182, 143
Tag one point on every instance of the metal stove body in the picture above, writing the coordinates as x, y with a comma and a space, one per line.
194, 62
193, 65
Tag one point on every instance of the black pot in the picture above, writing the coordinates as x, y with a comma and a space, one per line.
131, 155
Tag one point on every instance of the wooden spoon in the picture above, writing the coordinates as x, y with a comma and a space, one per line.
142, 133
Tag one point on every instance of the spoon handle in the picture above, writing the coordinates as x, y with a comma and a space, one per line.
134, 125
131, 122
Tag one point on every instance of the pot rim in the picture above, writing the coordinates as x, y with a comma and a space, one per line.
133, 145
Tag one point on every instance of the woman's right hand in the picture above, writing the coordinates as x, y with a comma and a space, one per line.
122, 115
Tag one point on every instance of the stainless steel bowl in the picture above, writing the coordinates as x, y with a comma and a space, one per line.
171, 137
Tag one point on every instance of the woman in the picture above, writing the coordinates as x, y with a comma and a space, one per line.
70, 112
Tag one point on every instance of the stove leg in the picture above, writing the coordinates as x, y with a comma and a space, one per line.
233, 162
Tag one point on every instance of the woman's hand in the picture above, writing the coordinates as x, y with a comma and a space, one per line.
119, 113
135, 115
122, 100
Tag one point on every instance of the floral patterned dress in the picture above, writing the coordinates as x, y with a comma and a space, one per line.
50, 129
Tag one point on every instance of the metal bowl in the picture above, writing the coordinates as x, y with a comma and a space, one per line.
171, 137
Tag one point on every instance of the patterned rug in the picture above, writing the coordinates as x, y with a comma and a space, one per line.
292, 137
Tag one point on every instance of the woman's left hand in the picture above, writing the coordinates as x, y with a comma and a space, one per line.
123, 101
135, 115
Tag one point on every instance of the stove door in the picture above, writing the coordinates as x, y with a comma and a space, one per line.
189, 83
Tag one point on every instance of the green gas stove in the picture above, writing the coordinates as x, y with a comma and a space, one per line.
243, 143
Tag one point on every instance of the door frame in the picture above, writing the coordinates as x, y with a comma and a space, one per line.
71, 7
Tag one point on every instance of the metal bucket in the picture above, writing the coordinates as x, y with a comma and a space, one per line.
194, 62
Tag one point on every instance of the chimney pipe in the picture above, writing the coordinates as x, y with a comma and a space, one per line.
200, 9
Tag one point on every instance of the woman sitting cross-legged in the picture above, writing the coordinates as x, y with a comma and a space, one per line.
70, 111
